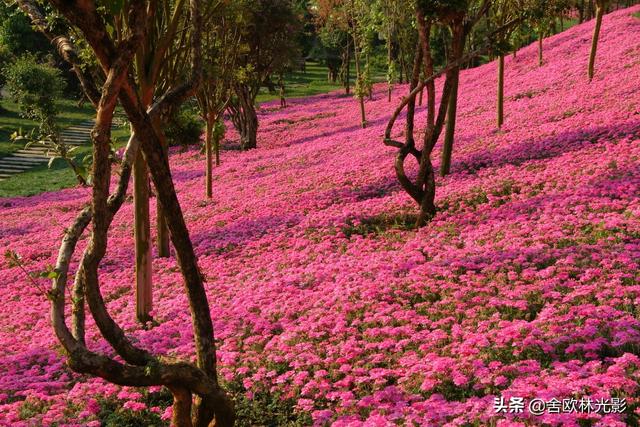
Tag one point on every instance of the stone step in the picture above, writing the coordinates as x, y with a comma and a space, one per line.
9, 171
19, 160
32, 151
26, 159
5, 175
76, 129
29, 156
75, 132
14, 167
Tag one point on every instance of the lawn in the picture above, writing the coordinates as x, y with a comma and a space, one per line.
312, 82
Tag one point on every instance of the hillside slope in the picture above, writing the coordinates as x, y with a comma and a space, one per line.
325, 303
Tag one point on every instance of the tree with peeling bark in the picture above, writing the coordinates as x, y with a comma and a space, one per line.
135, 365
267, 44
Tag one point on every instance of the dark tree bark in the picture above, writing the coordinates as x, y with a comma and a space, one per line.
500, 99
457, 50
242, 109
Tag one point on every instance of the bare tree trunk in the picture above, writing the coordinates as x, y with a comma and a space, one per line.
142, 233
596, 35
540, 59
162, 232
457, 49
207, 142
447, 148
244, 117
500, 90
389, 64
347, 69
363, 118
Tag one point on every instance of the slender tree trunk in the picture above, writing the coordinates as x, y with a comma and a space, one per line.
540, 39
347, 69
216, 149
447, 149
457, 50
389, 62
581, 12
596, 35
142, 240
363, 118
209, 178
162, 232
500, 90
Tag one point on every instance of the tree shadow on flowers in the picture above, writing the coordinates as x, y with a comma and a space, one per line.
545, 148
224, 238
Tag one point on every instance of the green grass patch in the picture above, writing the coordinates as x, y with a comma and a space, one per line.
312, 82
10, 121
41, 178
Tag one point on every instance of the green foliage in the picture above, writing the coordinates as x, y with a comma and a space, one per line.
113, 415
266, 409
184, 128
5, 60
17, 35
35, 87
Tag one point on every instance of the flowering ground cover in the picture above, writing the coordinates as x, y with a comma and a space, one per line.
330, 309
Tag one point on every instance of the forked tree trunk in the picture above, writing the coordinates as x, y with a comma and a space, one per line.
596, 35
244, 117
500, 90
134, 366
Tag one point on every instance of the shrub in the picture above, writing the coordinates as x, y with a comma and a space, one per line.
35, 88
184, 128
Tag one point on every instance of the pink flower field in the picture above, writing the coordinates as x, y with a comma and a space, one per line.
329, 309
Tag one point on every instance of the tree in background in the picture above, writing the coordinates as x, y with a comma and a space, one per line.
220, 42
268, 44
352, 17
